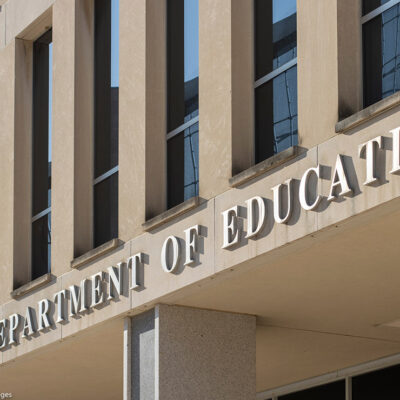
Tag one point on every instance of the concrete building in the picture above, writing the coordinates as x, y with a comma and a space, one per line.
199, 199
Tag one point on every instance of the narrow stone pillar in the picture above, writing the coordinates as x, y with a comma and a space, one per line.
142, 117
226, 92
180, 353
62, 137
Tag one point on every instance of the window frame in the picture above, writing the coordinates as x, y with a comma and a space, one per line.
115, 169
182, 127
45, 38
268, 77
364, 20
377, 11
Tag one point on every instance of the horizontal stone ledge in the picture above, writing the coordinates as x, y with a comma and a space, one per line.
368, 113
264, 166
31, 286
94, 254
170, 214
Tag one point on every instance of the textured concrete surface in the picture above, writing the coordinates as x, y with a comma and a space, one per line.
264, 166
332, 272
31, 286
170, 214
317, 60
180, 353
143, 372
368, 113
94, 254
7, 123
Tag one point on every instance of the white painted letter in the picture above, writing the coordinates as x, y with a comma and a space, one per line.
278, 202
165, 254
14, 322
339, 179
3, 326
97, 289
303, 189
396, 151
114, 281
28, 329
44, 308
134, 261
252, 228
230, 226
370, 155
78, 298
191, 236
59, 298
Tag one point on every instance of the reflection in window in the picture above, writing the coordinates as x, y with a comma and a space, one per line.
381, 52
182, 100
106, 86
276, 76
371, 5
41, 155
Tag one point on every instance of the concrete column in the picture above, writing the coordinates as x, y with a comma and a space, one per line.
8, 121
142, 121
22, 162
72, 133
349, 57
180, 353
225, 92
83, 123
317, 70
62, 146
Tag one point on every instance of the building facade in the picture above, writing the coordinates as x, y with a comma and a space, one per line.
200, 199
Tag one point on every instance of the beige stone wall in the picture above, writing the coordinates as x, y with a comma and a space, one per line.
142, 118
7, 121
254, 277
317, 71
226, 102
63, 134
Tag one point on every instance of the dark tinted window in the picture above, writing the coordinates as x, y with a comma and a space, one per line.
106, 88
331, 391
106, 210
276, 114
275, 93
371, 5
383, 384
41, 154
182, 100
381, 51
41, 246
275, 34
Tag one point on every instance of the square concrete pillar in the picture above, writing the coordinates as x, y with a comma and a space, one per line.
180, 353
226, 93
62, 141
349, 57
72, 133
142, 118
9, 120
329, 62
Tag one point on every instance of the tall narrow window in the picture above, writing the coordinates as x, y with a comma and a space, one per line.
182, 100
275, 76
381, 49
105, 184
41, 155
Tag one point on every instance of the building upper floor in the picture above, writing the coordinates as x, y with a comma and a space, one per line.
118, 116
